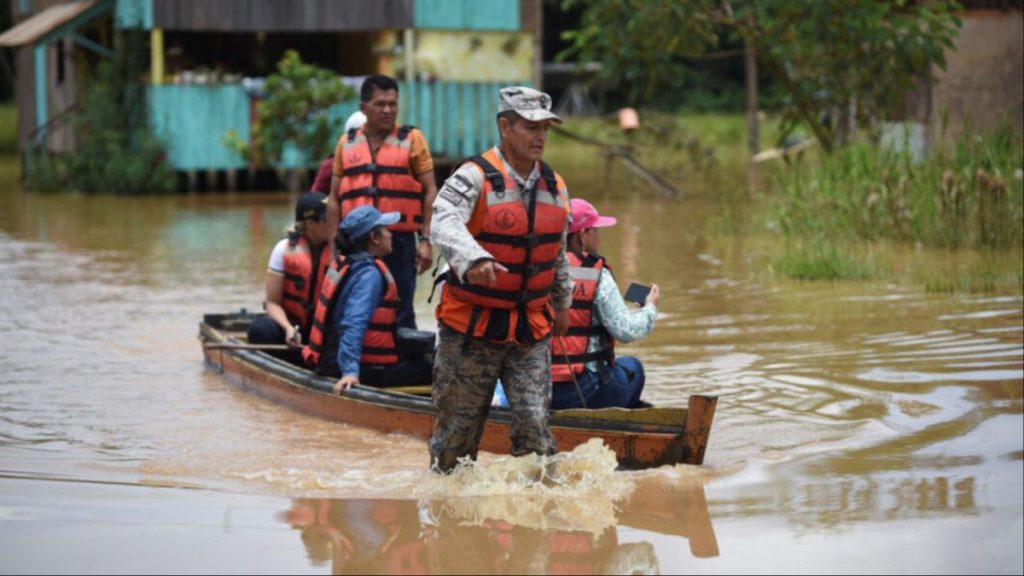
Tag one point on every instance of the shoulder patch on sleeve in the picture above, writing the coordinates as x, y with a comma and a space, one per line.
456, 189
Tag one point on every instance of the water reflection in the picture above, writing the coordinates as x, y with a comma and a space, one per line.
460, 536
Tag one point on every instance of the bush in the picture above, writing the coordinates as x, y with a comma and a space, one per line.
115, 149
972, 197
299, 96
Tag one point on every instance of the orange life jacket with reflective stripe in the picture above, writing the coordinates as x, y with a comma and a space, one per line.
379, 345
385, 181
524, 240
586, 276
301, 284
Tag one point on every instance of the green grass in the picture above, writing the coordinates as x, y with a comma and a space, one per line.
967, 272
968, 198
830, 261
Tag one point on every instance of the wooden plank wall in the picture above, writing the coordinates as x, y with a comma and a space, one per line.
282, 15
467, 14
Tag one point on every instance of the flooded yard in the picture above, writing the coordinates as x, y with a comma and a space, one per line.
861, 427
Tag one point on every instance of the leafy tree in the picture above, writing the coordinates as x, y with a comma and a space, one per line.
839, 63
295, 111
115, 149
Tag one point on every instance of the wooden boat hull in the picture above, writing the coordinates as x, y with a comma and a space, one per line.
640, 438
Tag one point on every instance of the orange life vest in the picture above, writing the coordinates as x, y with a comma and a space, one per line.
586, 275
301, 284
385, 181
379, 345
526, 242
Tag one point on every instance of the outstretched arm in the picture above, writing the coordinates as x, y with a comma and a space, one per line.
611, 310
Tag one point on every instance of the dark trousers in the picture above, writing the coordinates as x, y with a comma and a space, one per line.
408, 372
264, 330
623, 388
402, 264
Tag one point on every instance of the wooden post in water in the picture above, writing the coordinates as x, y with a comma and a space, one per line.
700, 413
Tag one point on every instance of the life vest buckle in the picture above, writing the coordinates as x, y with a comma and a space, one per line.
371, 190
371, 167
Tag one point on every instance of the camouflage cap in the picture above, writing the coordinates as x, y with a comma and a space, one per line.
531, 104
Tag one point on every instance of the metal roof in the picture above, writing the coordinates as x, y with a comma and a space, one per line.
39, 25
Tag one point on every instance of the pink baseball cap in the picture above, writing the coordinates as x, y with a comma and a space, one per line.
584, 216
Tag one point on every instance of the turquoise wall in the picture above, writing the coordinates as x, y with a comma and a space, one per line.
193, 120
134, 14
431, 14
466, 14
457, 119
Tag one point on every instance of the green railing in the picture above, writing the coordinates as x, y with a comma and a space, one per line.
457, 119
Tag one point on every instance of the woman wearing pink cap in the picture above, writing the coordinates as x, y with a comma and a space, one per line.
598, 318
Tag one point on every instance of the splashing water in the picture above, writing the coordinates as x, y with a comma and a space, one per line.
575, 490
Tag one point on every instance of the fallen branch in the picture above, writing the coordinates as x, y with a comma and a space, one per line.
652, 178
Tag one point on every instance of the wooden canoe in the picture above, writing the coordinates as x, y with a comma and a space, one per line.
641, 438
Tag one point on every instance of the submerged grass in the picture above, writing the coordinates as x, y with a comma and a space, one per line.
972, 197
969, 198
828, 260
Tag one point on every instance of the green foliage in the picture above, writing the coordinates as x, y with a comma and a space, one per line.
972, 197
295, 111
829, 57
115, 150
640, 43
826, 260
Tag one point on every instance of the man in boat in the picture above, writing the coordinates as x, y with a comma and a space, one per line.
388, 166
294, 274
354, 327
584, 368
500, 221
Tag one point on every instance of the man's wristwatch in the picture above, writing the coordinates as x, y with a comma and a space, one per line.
424, 237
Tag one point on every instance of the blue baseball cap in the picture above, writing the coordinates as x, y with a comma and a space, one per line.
360, 221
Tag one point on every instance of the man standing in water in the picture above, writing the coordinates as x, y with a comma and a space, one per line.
389, 167
500, 221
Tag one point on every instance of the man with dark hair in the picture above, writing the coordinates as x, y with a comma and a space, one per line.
389, 167
500, 221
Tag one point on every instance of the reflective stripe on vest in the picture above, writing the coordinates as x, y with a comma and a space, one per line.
379, 345
300, 285
586, 275
385, 181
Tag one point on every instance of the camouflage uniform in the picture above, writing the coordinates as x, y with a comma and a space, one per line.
464, 385
465, 371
